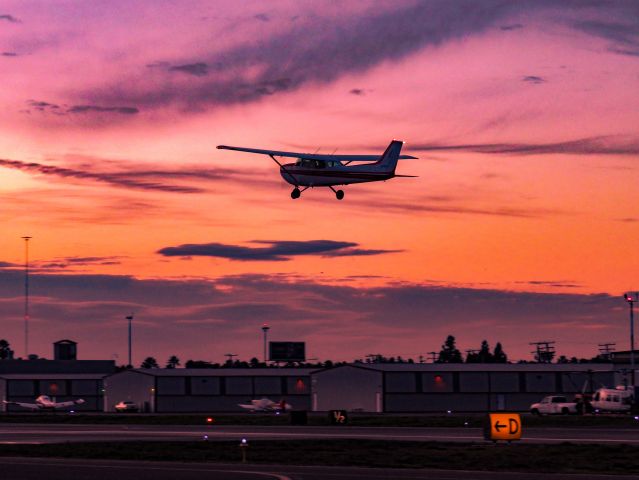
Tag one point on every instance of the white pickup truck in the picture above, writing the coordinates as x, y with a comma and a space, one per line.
553, 405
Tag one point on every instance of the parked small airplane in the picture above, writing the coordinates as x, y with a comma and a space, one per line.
266, 405
315, 170
44, 402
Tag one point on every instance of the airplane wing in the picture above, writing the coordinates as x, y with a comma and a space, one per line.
312, 156
68, 404
32, 406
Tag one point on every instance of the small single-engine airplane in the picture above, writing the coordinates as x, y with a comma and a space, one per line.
266, 405
44, 402
316, 170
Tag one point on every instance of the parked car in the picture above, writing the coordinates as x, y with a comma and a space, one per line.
126, 406
553, 405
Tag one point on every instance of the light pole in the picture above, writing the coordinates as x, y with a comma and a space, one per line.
631, 299
265, 329
130, 319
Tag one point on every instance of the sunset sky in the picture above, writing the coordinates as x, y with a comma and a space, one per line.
522, 225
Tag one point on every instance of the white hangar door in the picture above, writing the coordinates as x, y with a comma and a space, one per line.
347, 388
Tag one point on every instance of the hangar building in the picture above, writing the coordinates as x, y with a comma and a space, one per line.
394, 388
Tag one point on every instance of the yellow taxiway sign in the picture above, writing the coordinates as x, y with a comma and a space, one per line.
503, 426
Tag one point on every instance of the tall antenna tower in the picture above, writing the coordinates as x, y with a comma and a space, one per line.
26, 296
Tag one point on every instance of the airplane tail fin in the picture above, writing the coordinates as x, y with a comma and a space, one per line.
388, 160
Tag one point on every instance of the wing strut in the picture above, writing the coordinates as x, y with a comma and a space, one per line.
284, 168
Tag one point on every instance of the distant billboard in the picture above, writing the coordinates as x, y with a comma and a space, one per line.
287, 351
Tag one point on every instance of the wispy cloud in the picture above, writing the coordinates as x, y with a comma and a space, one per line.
199, 69
605, 145
56, 109
126, 180
9, 18
276, 251
534, 79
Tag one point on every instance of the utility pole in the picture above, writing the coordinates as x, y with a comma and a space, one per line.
631, 298
265, 329
230, 357
130, 319
26, 296
544, 351
433, 357
605, 349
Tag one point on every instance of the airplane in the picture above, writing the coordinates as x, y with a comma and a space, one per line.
316, 170
44, 402
266, 405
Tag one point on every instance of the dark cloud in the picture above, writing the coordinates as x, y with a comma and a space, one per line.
622, 32
192, 318
552, 283
629, 220
611, 145
533, 79
199, 69
96, 108
74, 262
514, 26
357, 91
624, 51
126, 180
317, 52
9, 54
56, 109
276, 251
9, 265
262, 17
9, 18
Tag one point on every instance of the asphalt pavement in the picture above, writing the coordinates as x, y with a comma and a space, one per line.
52, 433
63, 469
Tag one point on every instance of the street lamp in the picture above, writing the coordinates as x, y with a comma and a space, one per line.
265, 329
631, 299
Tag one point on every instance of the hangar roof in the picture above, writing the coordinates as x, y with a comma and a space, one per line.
224, 372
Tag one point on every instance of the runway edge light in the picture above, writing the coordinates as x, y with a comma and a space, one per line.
502, 426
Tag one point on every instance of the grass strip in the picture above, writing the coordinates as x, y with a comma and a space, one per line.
558, 458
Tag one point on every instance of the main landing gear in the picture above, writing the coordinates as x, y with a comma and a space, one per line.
339, 194
296, 193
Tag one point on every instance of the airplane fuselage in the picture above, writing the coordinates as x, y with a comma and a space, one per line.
317, 173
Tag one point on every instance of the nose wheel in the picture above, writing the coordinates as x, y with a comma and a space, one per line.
295, 193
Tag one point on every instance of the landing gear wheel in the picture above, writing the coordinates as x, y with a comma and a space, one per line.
295, 193
339, 194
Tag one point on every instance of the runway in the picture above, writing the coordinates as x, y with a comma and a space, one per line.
63, 469
49, 433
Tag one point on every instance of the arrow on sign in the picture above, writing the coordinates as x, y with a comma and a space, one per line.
499, 426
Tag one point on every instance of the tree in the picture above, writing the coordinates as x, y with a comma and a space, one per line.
172, 362
5, 350
499, 356
484, 355
449, 352
149, 362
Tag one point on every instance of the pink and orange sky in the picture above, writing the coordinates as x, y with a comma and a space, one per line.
522, 225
